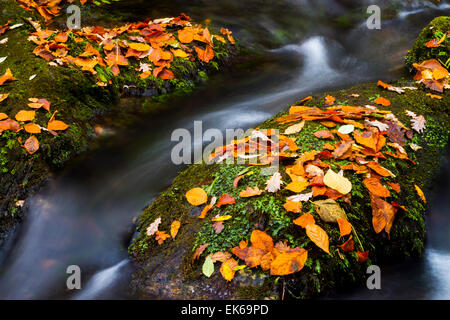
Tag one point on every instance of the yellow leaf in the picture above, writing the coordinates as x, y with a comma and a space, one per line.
420, 193
337, 182
196, 196
24, 115
174, 228
222, 218
139, 46
297, 186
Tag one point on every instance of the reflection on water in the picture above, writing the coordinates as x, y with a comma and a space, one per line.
84, 215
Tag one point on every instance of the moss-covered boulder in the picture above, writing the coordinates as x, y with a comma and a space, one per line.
168, 270
82, 98
437, 29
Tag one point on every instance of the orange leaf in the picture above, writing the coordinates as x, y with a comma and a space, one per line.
7, 76
236, 180
345, 227
196, 196
57, 125
225, 199
362, 256
174, 227
298, 185
382, 84
139, 46
3, 96
288, 262
395, 186
250, 192
375, 187
293, 206
205, 55
3, 116
32, 128
185, 36
304, 220
318, 236
324, 134
205, 211
227, 269
198, 252
31, 145
348, 245
24, 115
261, 240
383, 214
161, 236
382, 101
379, 169
420, 193
329, 100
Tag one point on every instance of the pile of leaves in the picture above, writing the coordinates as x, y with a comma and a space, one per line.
26, 119
360, 135
153, 43
49, 9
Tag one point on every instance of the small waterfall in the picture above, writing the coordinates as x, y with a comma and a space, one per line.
100, 281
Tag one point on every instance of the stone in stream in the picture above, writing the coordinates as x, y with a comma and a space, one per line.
167, 271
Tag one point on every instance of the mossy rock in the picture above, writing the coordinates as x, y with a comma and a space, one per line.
167, 270
420, 52
79, 101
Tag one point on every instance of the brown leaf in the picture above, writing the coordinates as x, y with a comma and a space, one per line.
218, 226
31, 145
375, 187
348, 245
324, 134
198, 252
225, 199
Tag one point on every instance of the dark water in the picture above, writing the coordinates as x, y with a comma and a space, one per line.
84, 216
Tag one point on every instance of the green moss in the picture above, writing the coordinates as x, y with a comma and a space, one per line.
436, 29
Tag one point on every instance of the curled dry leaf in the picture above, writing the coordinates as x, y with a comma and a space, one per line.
153, 227
274, 183
329, 210
196, 196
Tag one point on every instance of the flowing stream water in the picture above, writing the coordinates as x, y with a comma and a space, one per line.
84, 215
